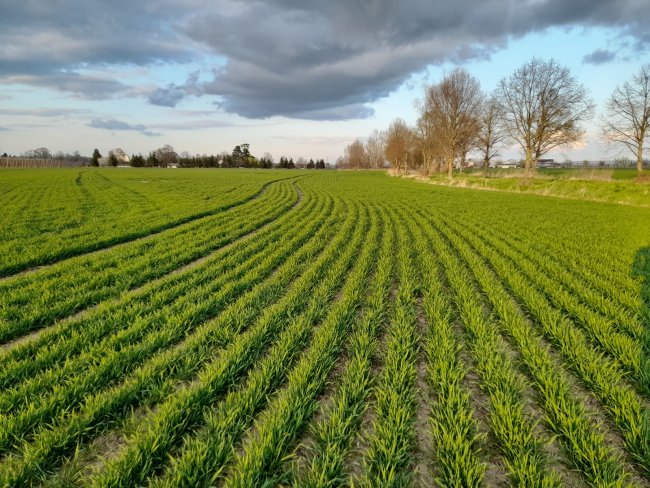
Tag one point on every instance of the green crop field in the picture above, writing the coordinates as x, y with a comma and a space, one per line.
292, 328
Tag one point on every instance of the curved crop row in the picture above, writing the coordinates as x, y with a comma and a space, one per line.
85, 280
104, 329
183, 411
332, 434
101, 366
154, 376
278, 427
62, 216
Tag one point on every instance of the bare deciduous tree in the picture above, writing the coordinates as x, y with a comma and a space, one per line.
542, 106
449, 112
425, 132
491, 134
375, 149
398, 144
355, 155
267, 156
166, 156
627, 118
39, 153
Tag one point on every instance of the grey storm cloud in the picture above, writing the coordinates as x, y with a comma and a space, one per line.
112, 124
172, 94
599, 56
167, 97
308, 59
328, 60
51, 44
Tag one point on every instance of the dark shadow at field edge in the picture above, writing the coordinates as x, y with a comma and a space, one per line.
641, 269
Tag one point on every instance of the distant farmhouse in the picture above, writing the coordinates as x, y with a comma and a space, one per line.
509, 163
547, 163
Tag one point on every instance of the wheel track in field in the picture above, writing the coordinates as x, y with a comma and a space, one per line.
293, 280
9, 272
144, 410
108, 276
35, 334
102, 338
268, 277
283, 305
287, 223
199, 261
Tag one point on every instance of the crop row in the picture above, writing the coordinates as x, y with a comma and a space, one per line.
99, 410
106, 360
390, 445
83, 281
183, 411
340, 418
563, 412
67, 338
62, 216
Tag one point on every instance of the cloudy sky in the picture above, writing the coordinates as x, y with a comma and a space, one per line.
292, 77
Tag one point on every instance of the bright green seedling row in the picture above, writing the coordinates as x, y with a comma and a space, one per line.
86, 280
199, 328
51, 215
59, 342
101, 363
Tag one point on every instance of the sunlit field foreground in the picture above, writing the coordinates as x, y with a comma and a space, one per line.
259, 328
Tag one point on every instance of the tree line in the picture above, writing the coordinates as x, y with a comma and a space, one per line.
540, 107
44, 153
166, 156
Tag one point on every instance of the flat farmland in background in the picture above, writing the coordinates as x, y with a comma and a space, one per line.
240, 328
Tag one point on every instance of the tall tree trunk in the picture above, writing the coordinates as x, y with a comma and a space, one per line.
639, 158
450, 167
486, 163
528, 163
427, 163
